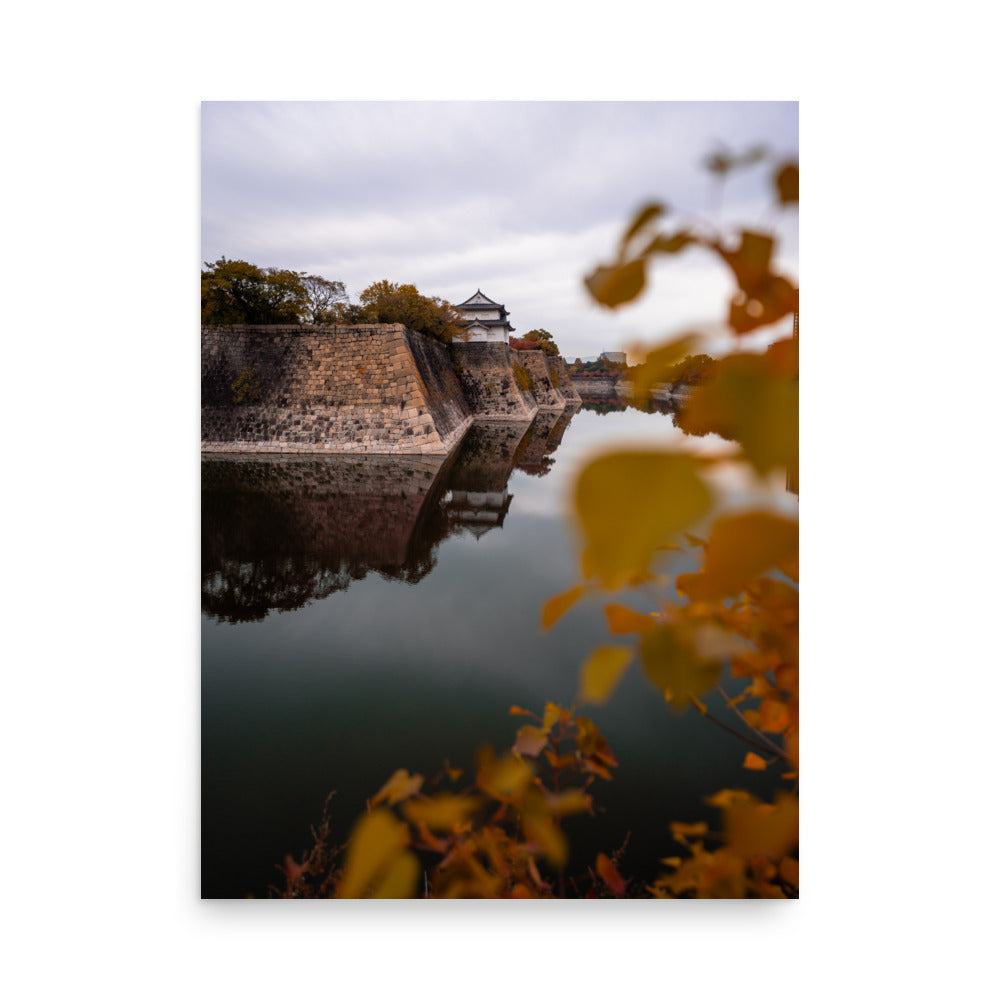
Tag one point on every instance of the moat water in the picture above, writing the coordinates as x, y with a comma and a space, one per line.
365, 614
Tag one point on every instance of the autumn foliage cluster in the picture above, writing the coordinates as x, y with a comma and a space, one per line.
386, 302
536, 340
236, 292
496, 834
734, 618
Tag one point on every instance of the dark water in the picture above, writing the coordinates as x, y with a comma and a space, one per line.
362, 614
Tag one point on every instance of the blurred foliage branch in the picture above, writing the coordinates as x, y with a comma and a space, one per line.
735, 617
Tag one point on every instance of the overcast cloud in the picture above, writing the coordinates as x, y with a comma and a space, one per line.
520, 200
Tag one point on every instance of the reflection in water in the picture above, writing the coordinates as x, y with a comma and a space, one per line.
543, 437
616, 404
282, 531
478, 498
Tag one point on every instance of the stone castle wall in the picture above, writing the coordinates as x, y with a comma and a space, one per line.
487, 379
378, 389
546, 394
560, 377
590, 386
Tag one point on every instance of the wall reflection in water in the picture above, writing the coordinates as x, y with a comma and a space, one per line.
281, 531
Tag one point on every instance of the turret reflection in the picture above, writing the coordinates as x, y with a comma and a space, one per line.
478, 499
279, 532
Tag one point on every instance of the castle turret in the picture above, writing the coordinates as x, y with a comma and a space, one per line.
485, 320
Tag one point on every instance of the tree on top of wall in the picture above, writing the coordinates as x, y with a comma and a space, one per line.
324, 296
542, 340
236, 291
386, 302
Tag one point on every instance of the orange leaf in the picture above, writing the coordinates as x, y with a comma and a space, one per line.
754, 827
442, 812
773, 716
754, 763
556, 607
568, 802
613, 286
530, 741
399, 787
742, 547
786, 180
789, 871
651, 210
602, 671
623, 620
609, 875
503, 779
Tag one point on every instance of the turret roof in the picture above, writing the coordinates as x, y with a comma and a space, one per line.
480, 300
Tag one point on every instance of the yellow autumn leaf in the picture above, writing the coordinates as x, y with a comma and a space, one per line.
602, 671
747, 401
553, 714
399, 787
568, 802
504, 778
441, 812
613, 286
754, 827
541, 831
712, 642
645, 214
673, 665
658, 363
376, 841
555, 607
727, 797
682, 831
752, 762
400, 878
630, 504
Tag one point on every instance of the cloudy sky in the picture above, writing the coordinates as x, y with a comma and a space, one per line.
518, 199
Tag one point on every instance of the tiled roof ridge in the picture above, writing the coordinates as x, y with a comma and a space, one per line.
489, 301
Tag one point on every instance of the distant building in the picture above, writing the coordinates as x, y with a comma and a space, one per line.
618, 357
485, 320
